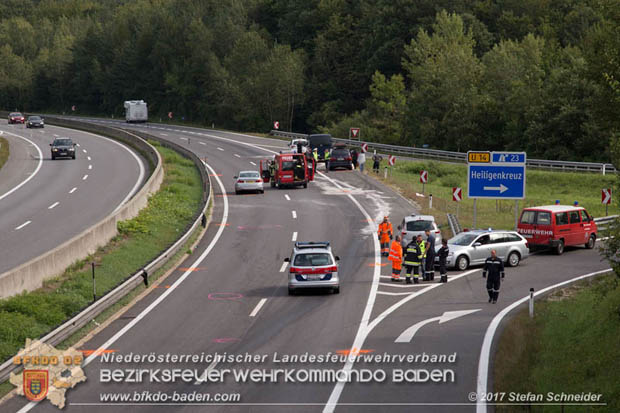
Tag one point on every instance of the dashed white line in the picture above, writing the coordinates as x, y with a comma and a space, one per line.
252, 163
282, 268
90, 167
23, 225
294, 214
54, 205
84, 150
294, 236
220, 149
258, 307
84, 177
73, 190
237, 156
164, 134
202, 143
288, 198
88, 157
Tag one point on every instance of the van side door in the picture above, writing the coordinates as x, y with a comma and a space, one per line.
562, 228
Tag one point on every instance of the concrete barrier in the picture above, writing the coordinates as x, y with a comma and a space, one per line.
30, 275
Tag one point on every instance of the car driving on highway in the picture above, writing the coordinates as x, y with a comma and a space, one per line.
248, 181
63, 148
312, 266
474, 247
35, 122
16, 117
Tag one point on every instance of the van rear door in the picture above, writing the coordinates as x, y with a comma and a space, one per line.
535, 226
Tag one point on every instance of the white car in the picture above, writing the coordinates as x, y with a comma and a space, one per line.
414, 225
313, 266
248, 181
296, 141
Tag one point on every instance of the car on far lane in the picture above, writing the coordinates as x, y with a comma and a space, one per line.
63, 148
35, 122
248, 181
313, 266
16, 117
414, 225
474, 247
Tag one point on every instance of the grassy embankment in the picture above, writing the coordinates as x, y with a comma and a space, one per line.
169, 211
4, 151
571, 345
543, 188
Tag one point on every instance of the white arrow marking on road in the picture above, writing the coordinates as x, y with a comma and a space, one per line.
501, 188
408, 334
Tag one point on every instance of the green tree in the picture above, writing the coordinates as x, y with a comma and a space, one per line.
387, 107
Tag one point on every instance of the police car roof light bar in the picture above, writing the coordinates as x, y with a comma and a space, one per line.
301, 245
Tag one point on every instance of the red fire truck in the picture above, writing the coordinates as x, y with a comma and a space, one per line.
287, 169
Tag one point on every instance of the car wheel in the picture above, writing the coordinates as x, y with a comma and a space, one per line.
591, 242
262, 191
305, 184
272, 183
462, 263
53, 158
73, 157
513, 259
559, 249
336, 290
291, 291
236, 192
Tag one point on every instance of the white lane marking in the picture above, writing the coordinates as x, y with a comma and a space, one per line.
84, 177
252, 163
167, 292
220, 149
88, 157
258, 307
23, 225
90, 167
399, 285
407, 335
183, 138
283, 267
77, 144
54, 205
22, 183
163, 134
202, 143
73, 190
288, 198
485, 351
84, 150
294, 238
388, 293
55, 136
237, 156
294, 214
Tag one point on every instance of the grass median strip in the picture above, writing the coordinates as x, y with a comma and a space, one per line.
4, 151
543, 188
570, 347
167, 215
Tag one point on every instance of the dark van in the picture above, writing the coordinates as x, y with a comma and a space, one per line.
321, 142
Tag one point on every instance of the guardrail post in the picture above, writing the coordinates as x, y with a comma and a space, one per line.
92, 264
531, 303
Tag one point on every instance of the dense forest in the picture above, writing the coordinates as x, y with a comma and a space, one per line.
535, 75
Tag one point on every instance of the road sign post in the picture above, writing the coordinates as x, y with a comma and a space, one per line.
423, 179
391, 162
606, 199
496, 175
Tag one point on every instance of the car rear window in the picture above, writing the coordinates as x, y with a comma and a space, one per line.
312, 260
248, 175
341, 152
561, 218
536, 217
320, 140
419, 225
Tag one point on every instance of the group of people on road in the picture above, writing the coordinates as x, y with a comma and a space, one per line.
418, 256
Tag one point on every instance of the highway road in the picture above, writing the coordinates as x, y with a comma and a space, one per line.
230, 296
45, 202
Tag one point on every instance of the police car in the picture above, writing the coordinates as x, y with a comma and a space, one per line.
312, 265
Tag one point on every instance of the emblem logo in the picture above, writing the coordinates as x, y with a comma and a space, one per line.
36, 384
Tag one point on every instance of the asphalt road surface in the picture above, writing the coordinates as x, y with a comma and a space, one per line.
230, 297
44, 203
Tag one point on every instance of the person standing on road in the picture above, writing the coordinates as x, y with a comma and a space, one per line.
494, 267
376, 160
443, 257
326, 157
315, 155
396, 256
385, 235
422, 246
430, 255
412, 260
361, 160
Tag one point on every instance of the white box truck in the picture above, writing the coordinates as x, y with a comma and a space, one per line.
136, 111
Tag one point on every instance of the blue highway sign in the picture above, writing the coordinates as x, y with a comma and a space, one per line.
502, 178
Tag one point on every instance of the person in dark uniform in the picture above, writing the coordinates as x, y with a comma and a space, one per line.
354, 158
443, 256
494, 267
429, 273
413, 257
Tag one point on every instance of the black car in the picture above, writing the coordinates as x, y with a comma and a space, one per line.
340, 158
35, 122
63, 148
320, 142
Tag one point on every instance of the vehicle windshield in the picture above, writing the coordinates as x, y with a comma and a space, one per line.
15, 114
464, 238
313, 260
248, 175
34, 118
63, 142
320, 140
419, 225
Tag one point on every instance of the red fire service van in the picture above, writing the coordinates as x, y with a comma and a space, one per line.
287, 169
557, 226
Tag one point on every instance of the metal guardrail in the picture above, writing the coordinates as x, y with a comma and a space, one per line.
603, 222
462, 157
455, 225
89, 313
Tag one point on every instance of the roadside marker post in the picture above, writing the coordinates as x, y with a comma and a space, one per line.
457, 196
531, 302
391, 162
423, 179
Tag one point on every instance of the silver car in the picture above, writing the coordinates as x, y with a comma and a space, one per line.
474, 247
414, 225
248, 181
312, 265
